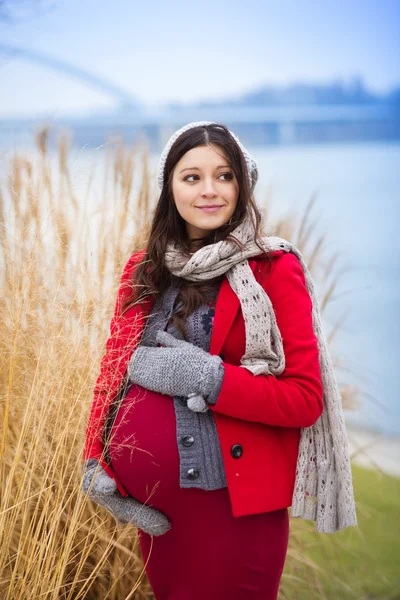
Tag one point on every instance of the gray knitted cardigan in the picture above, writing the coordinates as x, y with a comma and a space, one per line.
196, 432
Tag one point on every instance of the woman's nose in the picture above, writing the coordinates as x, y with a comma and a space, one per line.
208, 188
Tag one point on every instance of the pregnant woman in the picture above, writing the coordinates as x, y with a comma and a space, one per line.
212, 414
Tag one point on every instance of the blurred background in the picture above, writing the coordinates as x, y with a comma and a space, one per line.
312, 90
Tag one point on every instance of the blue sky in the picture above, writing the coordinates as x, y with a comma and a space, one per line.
186, 51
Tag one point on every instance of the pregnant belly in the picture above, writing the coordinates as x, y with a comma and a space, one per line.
143, 447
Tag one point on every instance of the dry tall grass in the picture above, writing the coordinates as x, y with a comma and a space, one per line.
60, 268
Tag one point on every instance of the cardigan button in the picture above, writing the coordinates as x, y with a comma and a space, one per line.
237, 450
193, 474
187, 440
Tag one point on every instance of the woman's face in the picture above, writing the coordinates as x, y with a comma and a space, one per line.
203, 178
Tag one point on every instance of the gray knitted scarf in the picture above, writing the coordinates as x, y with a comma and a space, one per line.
323, 490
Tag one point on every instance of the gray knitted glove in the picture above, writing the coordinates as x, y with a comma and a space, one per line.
181, 369
125, 510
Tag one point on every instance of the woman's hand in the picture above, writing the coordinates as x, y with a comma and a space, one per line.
102, 489
179, 369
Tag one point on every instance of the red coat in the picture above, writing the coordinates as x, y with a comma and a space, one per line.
262, 413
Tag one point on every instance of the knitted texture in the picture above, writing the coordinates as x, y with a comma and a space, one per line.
250, 162
205, 454
323, 489
102, 489
182, 369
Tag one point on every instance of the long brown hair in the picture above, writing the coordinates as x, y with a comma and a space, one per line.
151, 276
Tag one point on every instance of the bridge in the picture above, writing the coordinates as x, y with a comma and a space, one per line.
264, 124
124, 98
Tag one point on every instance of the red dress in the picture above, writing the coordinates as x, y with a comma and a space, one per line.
208, 553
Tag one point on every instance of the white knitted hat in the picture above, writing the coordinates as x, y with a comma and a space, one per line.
250, 162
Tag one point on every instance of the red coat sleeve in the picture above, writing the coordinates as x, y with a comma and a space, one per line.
118, 349
294, 398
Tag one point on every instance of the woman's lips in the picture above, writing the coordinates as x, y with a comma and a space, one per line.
210, 209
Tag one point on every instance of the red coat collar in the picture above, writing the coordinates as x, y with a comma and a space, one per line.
226, 307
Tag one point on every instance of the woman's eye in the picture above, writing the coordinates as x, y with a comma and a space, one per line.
228, 176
